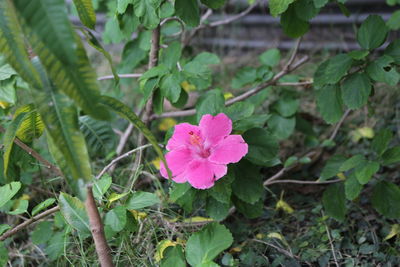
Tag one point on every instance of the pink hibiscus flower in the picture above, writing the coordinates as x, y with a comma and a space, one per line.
200, 154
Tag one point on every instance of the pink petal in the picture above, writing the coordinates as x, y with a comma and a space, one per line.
178, 161
200, 174
229, 150
219, 170
214, 129
181, 136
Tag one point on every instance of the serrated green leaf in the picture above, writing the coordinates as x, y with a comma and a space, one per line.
74, 213
393, 50
8, 191
381, 141
146, 10
263, 146
213, 102
381, 70
214, 4
386, 199
222, 189
116, 218
365, 171
329, 103
206, 244
173, 257
334, 203
292, 25
281, 127
352, 187
277, 7
101, 186
271, 57
352, 162
217, 210
356, 89
332, 167
372, 33
332, 70
248, 185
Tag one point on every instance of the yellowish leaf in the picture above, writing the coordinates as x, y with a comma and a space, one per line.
197, 219
161, 246
4, 104
114, 197
187, 86
166, 124
228, 95
156, 163
341, 176
394, 231
138, 215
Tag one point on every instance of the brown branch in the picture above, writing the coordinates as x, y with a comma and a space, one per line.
302, 182
97, 229
241, 97
234, 17
25, 224
35, 155
339, 124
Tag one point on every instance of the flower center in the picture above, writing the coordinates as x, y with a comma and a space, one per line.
197, 143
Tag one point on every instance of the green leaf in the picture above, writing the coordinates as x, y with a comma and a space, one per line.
140, 200
263, 146
358, 54
281, 127
178, 190
22, 207
170, 86
329, 103
6, 72
286, 106
57, 245
332, 70
8, 191
101, 186
9, 137
277, 7
251, 211
356, 89
86, 12
254, 121
43, 205
352, 187
146, 10
386, 199
207, 58
31, 126
183, 195
391, 156
125, 112
222, 189
239, 110
188, 11
248, 185
372, 33
42, 233
292, 25
173, 257
217, 210
74, 213
61, 121
92, 40
205, 245
244, 76
334, 203
320, 3
171, 55
271, 57
393, 50
381, 141
290, 161
352, 162
212, 102
365, 171
116, 218
381, 70
394, 22
305, 9
332, 167
7, 91
214, 4
4, 228
3, 254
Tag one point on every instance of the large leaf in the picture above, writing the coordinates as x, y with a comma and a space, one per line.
329, 103
8, 191
188, 11
12, 44
277, 7
332, 70
356, 89
202, 247
61, 52
386, 199
125, 112
74, 213
32, 126
372, 32
139, 200
61, 120
9, 137
263, 146
86, 12
334, 201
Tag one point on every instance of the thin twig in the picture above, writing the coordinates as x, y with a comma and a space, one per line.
26, 223
295, 83
287, 253
233, 18
125, 155
302, 182
35, 155
241, 97
129, 75
293, 55
339, 124
97, 229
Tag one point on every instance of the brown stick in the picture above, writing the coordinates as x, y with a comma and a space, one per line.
34, 154
96, 227
25, 224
